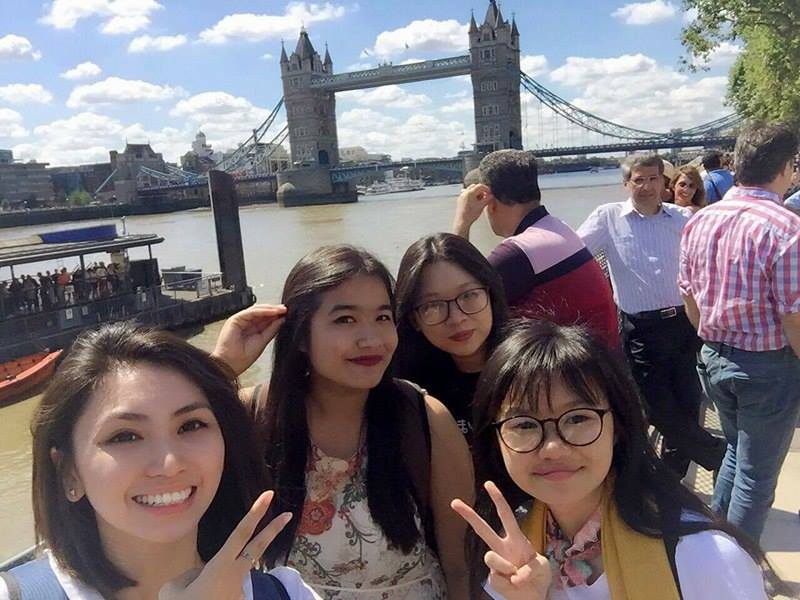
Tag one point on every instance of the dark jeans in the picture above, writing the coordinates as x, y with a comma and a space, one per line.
663, 358
757, 395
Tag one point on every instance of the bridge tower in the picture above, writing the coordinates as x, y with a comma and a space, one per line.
494, 47
311, 114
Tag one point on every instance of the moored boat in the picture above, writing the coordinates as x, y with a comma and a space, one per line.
20, 376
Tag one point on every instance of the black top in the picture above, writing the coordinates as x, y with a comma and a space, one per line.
455, 389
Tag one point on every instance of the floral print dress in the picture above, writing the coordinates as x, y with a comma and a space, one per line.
342, 553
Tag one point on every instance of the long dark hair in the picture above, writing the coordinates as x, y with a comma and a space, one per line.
523, 369
69, 529
415, 354
282, 418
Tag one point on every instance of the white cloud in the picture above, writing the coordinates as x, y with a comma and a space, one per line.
11, 124
461, 105
114, 90
636, 91
85, 70
690, 15
87, 137
267, 56
426, 35
226, 120
25, 93
359, 66
421, 135
16, 46
724, 55
259, 27
118, 16
646, 13
392, 96
533, 65
163, 43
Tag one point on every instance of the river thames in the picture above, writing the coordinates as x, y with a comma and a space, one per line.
274, 239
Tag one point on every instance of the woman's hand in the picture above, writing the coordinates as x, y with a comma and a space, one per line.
222, 577
516, 570
245, 335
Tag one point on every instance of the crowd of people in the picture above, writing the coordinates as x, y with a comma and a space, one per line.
478, 429
30, 294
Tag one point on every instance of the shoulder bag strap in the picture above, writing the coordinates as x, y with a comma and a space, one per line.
12, 585
416, 444
670, 525
268, 587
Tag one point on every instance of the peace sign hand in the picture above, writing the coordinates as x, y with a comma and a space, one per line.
222, 576
516, 570
245, 335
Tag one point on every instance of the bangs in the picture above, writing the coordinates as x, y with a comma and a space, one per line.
532, 394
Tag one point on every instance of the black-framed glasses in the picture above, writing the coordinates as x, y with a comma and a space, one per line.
469, 302
576, 427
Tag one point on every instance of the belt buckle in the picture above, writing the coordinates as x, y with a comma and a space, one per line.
668, 313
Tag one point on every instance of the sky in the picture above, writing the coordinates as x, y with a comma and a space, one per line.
81, 77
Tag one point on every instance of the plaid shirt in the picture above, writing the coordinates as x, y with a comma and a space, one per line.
740, 261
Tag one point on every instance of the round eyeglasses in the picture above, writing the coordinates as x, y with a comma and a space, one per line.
469, 302
576, 427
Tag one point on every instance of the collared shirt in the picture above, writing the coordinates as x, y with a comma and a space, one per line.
548, 273
642, 252
740, 261
716, 184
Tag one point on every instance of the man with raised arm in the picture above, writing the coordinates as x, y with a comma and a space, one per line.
546, 270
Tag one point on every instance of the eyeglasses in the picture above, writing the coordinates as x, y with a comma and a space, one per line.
469, 302
576, 427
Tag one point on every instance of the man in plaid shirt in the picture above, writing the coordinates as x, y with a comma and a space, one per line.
740, 282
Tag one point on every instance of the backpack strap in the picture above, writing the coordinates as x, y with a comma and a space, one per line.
267, 587
670, 527
11, 586
416, 445
34, 580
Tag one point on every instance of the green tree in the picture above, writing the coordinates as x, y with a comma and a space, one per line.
79, 198
765, 79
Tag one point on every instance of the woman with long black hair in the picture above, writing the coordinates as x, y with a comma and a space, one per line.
369, 462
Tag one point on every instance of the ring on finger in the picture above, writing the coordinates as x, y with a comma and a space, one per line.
248, 556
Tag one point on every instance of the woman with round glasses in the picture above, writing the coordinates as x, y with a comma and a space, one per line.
450, 307
687, 188
576, 505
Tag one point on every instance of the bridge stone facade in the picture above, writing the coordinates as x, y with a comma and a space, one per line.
309, 88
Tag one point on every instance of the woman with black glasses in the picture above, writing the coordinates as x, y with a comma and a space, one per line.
450, 307
575, 505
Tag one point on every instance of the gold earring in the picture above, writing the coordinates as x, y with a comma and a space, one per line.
72, 492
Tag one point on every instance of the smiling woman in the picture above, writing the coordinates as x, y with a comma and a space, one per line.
369, 461
144, 462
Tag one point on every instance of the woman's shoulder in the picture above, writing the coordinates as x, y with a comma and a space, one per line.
711, 564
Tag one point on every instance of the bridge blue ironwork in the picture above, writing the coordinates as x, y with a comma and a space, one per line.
388, 74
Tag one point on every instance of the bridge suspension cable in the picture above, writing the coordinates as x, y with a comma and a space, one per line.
241, 154
591, 122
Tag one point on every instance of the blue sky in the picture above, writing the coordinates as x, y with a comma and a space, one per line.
80, 77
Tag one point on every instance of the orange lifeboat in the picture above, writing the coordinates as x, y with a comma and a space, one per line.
24, 374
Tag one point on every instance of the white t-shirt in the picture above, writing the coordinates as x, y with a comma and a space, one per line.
710, 565
77, 590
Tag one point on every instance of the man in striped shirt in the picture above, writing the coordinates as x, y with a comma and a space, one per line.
740, 282
641, 239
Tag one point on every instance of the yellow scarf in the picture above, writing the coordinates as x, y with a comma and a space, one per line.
636, 566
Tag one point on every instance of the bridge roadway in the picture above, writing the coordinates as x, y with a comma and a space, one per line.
388, 74
720, 141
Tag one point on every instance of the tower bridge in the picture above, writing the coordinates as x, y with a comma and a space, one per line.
493, 64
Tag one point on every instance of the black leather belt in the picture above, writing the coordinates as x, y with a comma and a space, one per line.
660, 314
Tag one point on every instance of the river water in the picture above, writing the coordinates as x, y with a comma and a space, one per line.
274, 239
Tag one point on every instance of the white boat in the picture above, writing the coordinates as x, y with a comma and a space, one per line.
393, 184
